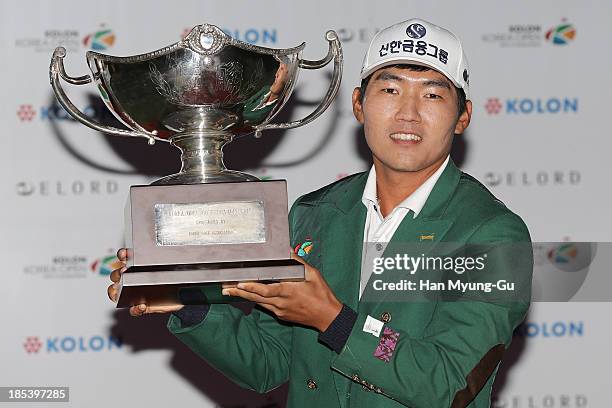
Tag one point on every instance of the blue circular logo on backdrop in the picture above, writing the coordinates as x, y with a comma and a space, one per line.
416, 30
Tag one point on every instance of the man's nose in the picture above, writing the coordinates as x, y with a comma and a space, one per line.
408, 109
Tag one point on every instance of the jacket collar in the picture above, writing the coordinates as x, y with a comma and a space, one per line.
440, 195
349, 193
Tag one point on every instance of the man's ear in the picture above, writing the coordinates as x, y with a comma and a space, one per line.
357, 107
464, 119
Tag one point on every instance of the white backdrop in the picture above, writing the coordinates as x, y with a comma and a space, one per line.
538, 140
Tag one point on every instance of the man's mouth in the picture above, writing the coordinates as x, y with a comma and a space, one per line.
406, 137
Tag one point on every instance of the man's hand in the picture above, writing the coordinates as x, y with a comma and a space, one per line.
138, 310
310, 302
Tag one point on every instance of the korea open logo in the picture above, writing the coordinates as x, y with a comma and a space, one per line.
416, 30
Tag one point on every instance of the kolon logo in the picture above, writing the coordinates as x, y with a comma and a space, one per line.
493, 106
72, 344
54, 112
532, 105
32, 344
26, 113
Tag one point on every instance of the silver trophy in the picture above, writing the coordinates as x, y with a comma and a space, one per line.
205, 224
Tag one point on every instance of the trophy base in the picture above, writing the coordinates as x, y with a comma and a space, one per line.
159, 285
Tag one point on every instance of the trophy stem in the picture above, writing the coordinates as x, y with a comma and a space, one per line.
202, 152
202, 159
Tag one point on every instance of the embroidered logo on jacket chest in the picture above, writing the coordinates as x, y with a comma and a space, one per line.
427, 237
304, 248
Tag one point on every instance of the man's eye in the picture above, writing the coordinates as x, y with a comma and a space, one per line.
432, 96
389, 90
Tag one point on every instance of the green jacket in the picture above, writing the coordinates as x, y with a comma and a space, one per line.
447, 352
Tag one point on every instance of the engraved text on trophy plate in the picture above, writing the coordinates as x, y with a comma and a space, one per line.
233, 222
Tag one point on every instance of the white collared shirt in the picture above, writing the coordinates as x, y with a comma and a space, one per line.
378, 230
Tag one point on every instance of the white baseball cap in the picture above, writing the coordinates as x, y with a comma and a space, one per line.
419, 42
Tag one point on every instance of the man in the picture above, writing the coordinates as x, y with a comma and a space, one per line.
336, 343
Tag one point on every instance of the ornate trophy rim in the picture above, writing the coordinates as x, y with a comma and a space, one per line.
201, 137
194, 43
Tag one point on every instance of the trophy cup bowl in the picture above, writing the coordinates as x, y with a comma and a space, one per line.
205, 224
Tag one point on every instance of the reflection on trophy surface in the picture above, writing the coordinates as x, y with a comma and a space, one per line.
205, 224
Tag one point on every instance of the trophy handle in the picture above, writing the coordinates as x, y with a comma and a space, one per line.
334, 53
56, 70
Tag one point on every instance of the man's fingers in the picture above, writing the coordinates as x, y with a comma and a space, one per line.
112, 292
261, 289
298, 258
138, 310
143, 309
309, 271
122, 254
253, 297
163, 309
227, 285
115, 275
303, 262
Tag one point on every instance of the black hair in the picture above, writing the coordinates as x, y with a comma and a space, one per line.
461, 99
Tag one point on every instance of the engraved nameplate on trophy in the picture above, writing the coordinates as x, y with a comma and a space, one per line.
233, 222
